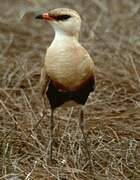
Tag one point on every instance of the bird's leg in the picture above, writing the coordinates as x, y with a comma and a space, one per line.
81, 124
51, 133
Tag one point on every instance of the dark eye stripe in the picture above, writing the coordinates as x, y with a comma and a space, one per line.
61, 17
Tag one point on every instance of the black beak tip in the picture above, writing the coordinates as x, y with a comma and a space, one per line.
39, 17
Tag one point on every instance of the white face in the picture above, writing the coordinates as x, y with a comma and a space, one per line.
68, 24
66, 21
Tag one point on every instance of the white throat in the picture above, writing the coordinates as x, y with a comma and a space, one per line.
62, 39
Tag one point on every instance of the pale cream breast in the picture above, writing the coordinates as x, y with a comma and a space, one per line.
69, 67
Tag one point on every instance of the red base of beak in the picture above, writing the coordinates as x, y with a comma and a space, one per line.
44, 16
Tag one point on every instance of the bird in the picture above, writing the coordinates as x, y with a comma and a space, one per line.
68, 73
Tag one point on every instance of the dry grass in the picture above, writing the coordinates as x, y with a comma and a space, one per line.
112, 113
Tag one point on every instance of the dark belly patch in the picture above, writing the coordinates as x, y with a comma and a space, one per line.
57, 98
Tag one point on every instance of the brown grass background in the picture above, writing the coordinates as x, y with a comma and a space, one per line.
111, 33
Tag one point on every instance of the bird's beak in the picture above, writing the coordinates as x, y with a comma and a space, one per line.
44, 16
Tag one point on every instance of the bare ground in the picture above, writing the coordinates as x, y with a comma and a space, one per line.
110, 32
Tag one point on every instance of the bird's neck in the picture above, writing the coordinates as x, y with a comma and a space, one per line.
63, 39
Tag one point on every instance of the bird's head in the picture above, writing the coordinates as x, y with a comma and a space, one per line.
63, 20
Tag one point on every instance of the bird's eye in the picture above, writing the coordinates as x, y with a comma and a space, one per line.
62, 17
